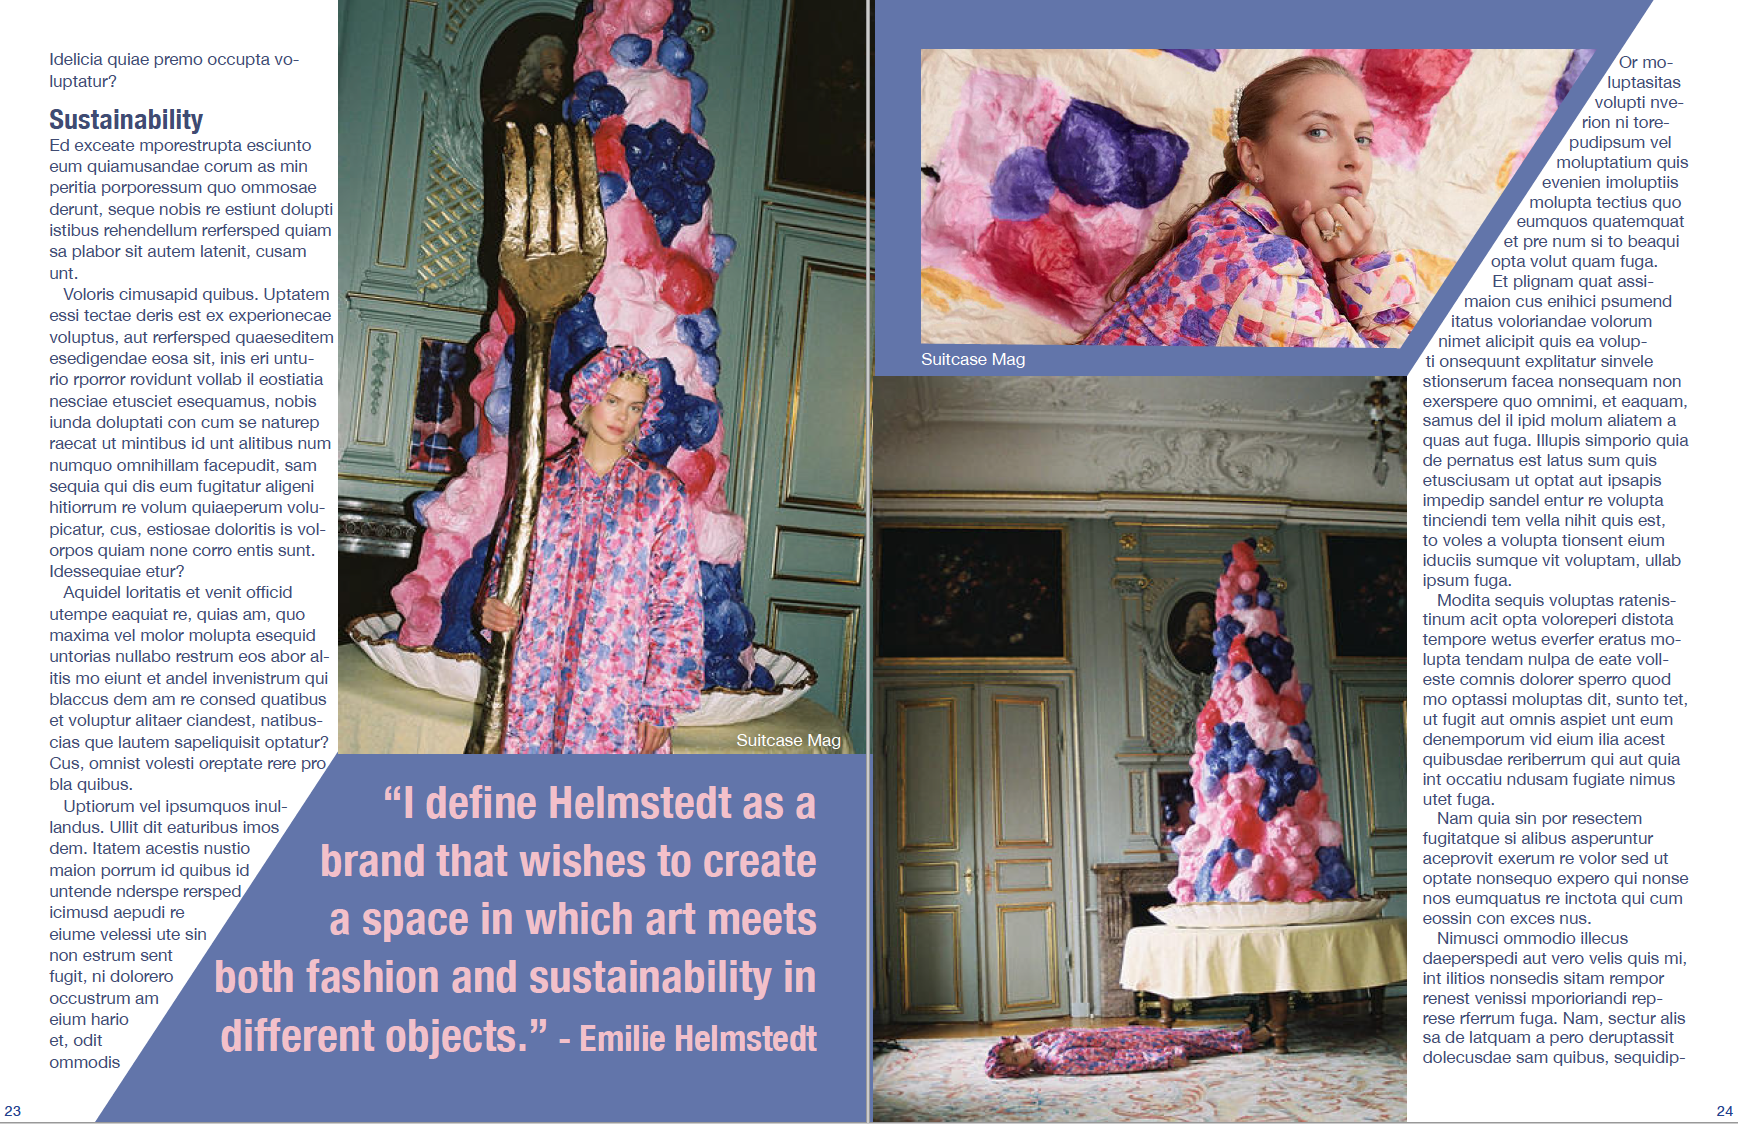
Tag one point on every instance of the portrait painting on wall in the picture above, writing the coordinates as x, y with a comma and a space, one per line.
957, 593
1367, 596
1189, 633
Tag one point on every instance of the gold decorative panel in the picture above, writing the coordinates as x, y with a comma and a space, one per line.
452, 222
458, 11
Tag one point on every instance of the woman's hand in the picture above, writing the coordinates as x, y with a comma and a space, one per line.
652, 738
1339, 231
498, 616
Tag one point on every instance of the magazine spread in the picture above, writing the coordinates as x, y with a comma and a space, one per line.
1009, 727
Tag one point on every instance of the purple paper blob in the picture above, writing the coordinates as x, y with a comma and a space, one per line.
1023, 187
419, 507
1100, 157
1207, 58
1578, 60
723, 245
631, 50
675, 55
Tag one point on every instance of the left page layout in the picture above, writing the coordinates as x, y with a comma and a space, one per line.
432, 393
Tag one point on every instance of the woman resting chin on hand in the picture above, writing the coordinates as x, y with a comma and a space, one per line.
1285, 250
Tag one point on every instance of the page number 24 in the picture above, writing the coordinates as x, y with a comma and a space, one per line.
1719, 1110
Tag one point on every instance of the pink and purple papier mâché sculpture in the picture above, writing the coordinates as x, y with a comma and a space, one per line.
634, 88
1262, 830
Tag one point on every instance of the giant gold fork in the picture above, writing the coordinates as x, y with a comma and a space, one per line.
550, 254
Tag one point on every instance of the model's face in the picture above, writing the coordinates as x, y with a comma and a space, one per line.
614, 419
552, 68
1317, 147
1016, 1054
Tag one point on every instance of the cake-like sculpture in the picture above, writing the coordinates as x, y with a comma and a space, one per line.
1261, 830
636, 91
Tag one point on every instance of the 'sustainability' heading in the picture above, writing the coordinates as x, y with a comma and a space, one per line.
119, 119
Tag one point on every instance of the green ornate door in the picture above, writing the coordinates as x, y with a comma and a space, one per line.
975, 856
932, 849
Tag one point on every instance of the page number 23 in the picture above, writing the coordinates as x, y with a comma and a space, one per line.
14, 1110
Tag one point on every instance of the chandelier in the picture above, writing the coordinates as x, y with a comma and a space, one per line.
1387, 403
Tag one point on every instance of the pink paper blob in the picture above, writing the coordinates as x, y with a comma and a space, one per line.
686, 285
723, 537
607, 140
457, 520
1243, 787
612, 19
696, 239
1403, 87
694, 468
633, 237
653, 94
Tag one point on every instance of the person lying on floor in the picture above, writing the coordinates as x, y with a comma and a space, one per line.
1090, 1051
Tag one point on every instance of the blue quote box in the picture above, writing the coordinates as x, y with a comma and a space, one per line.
538, 938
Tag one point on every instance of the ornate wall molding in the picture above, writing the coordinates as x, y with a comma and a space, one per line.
1174, 695
1199, 461
452, 203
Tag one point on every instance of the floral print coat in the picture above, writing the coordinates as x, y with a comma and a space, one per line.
1239, 279
1090, 1051
611, 626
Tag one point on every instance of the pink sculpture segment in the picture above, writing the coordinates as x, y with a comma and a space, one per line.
1261, 828
635, 88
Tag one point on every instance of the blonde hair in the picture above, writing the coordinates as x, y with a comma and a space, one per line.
582, 420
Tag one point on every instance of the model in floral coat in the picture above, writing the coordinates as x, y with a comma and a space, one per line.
1090, 1051
611, 648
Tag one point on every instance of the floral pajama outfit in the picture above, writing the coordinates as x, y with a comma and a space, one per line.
1089, 1051
1239, 280
610, 629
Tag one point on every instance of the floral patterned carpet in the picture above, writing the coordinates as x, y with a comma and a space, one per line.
1339, 1068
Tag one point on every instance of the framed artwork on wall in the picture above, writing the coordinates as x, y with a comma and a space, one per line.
1189, 633
971, 593
820, 143
1366, 596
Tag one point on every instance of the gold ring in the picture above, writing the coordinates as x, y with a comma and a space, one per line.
1330, 235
